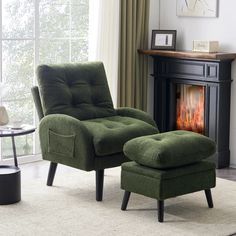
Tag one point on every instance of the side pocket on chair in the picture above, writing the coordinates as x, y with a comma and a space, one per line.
61, 144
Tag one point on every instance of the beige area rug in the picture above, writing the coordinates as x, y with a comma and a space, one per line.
69, 208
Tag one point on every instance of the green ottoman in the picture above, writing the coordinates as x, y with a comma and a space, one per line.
168, 165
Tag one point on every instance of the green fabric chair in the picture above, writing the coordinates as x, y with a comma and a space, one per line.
79, 126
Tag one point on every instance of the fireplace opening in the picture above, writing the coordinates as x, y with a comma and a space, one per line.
190, 108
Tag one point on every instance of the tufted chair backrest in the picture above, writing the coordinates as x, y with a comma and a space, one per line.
78, 90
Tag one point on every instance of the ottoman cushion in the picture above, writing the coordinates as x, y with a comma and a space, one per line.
170, 149
163, 184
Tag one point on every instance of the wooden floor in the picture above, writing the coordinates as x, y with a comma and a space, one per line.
228, 173
39, 169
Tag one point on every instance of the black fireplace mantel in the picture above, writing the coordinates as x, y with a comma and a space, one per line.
211, 70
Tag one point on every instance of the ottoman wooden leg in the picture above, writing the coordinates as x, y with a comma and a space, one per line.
160, 204
209, 198
125, 200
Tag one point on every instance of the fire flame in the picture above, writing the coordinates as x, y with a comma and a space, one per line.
190, 108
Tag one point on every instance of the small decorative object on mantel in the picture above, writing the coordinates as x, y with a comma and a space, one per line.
197, 8
163, 40
205, 46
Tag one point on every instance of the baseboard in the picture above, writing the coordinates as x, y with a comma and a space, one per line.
233, 166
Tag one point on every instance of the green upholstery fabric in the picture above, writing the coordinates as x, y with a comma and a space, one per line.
168, 173
171, 149
161, 185
62, 126
61, 144
84, 158
135, 113
37, 101
78, 93
103, 162
78, 90
111, 133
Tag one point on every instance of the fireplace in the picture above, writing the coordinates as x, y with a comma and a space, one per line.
192, 92
190, 108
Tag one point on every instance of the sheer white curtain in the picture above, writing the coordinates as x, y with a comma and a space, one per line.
104, 38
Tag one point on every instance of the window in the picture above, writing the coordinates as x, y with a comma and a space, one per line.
36, 32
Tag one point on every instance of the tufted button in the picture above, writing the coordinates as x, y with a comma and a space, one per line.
181, 133
157, 139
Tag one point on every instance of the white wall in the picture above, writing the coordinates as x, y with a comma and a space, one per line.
188, 29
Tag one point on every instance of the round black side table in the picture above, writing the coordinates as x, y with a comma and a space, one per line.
10, 176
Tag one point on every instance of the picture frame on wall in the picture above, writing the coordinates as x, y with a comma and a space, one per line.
197, 8
163, 40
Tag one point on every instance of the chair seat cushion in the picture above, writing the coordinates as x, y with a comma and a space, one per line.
170, 149
111, 133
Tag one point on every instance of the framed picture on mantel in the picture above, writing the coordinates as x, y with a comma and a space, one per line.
163, 40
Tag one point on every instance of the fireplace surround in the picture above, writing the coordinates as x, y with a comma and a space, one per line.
192, 92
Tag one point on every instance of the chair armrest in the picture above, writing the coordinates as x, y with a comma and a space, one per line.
66, 140
137, 114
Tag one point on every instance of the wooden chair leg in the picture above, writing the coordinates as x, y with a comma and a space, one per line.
160, 205
51, 173
209, 198
125, 200
99, 184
